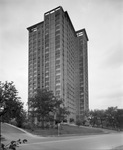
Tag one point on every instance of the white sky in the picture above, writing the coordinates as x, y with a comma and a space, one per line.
103, 21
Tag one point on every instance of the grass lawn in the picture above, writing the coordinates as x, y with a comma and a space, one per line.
67, 130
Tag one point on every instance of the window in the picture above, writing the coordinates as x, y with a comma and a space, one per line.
57, 21
47, 79
47, 64
47, 69
82, 89
46, 83
57, 92
57, 41
57, 97
57, 17
57, 62
47, 74
57, 13
57, 87
57, 52
57, 46
47, 88
57, 37
57, 77
47, 50
34, 29
57, 56
57, 81
57, 66
46, 59
47, 45
57, 27
47, 31
46, 56
57, 32
57, 71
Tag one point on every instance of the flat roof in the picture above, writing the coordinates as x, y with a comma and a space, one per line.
53, 10
83, 30
35, 25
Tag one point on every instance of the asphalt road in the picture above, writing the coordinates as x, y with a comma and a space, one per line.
95, 142
92, 142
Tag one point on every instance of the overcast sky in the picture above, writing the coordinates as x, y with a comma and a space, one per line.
103, 21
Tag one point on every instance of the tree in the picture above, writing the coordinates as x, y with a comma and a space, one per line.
13, 107
98, 117
71, 120
93, 117
119, 119
21, 116
43, 105
85, 117
111, 116
79, 122
101, 117
61, 111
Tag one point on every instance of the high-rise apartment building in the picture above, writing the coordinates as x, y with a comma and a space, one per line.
58, 60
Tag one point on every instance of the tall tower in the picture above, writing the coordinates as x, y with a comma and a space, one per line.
58, 60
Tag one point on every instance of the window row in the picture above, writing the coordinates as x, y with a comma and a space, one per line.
57, 92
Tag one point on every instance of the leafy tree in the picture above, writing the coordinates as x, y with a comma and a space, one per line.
93, 117
111, 116
101, 117
71, 120
61, 111
114, 117
79, 122
13, 107
21, 116
96, 117
119, 119
85, 117
43, 105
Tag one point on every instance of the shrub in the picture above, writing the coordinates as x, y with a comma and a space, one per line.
78, 122
71, 120
13, 122
27, 125
65, 120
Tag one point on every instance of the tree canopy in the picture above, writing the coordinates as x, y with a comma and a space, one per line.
9, 100
112, 117
44, 105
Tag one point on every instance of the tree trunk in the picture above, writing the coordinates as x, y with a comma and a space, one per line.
42, 122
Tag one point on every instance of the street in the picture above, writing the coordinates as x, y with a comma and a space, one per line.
90, 142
